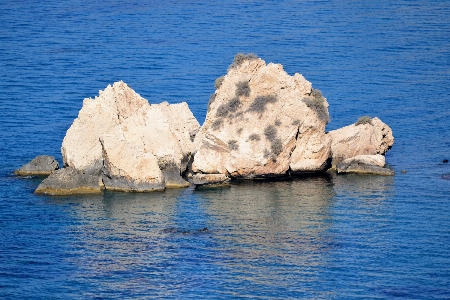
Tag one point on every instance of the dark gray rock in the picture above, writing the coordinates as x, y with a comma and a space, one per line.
362, 168
40, 165
172, 176
69, 181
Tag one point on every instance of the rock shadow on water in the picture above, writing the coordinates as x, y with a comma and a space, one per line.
114, 232
367, 187
262, 220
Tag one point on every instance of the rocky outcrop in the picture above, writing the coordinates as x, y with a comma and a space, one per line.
261, 122
40, 165
69, 181
369, 136
364, 164
159, 131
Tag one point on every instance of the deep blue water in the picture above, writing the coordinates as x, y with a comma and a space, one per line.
336, 237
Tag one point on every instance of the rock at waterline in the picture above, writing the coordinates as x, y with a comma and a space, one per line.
364, 164
163, 130
128, 168
210, 180
262, 122
69, 181
40, 165
368, 138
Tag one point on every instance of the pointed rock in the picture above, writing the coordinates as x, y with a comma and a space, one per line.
163, 130
40, 165
253, 121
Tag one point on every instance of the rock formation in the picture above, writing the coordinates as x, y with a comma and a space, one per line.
40, 165
138, 146
364, 164
261, 122
367, 136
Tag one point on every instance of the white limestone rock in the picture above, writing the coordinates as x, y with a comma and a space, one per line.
163, 130
257, 117
369, 138
128, 168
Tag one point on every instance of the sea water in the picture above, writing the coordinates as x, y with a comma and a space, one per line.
323, 237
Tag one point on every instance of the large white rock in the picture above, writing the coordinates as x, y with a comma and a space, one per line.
162, 130
105, 114
369, 138
255, 120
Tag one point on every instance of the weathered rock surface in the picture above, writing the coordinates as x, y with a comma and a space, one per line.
69, 181
210, 180
374, 137
311, 154
162, 130
261, 122
128, 168
364, 164
40, 165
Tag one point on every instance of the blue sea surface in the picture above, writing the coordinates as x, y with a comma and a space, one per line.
322, 237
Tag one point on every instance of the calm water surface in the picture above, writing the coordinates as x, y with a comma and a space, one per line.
326, 237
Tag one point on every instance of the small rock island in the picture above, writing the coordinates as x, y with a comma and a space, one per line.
261, 123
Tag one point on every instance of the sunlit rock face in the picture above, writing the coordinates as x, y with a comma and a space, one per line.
262, 122
128, 168
366, 137
163, 131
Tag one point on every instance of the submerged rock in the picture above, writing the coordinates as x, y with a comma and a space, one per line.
69, 181
261, 122
368, 138
364, 164
40, 165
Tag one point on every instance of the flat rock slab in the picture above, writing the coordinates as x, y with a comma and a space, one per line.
69, 181
362, 168
210, 180
40, 165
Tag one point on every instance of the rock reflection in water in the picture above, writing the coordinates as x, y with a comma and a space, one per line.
272, 228
258, 234
368, 188
119, 237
